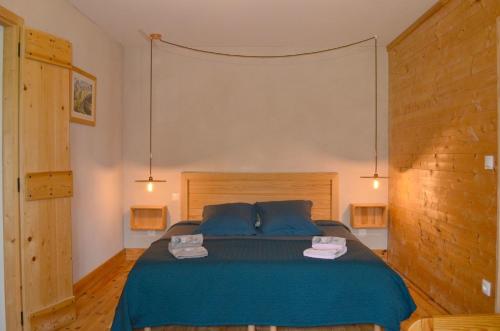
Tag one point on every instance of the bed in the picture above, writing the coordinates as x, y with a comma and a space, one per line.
256, 280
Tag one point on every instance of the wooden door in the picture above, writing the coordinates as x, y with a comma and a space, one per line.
46, 184
13, 27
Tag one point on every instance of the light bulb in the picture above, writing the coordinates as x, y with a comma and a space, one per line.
149, 187
376, 184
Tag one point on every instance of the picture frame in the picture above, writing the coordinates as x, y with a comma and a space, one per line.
83, 97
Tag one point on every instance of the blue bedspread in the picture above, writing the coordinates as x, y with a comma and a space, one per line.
262, 281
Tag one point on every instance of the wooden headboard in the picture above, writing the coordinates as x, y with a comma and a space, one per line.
207, 188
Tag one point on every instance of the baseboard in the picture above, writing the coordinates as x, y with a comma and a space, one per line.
417, 289
382, 253
54, 317
100, 271
133, 254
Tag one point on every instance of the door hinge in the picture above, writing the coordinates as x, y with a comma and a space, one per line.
18, 49
18, 184
22, 318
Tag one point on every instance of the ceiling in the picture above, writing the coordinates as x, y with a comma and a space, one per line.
254, 23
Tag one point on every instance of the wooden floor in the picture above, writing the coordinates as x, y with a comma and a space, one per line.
96, 301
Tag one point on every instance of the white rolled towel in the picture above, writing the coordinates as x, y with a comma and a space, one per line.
191, 240
328, 254
188, 252
326, 242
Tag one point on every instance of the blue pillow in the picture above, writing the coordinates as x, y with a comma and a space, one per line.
287, 218
230, 219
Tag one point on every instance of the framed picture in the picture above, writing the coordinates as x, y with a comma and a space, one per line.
83, 97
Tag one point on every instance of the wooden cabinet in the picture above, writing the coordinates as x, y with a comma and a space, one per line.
369, 215
148, 218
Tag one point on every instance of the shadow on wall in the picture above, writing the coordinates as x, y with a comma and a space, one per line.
441, 134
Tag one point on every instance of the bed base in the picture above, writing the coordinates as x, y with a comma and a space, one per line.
274, 328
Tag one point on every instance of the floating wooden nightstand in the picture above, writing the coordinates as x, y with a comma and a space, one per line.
148, 217
369, 215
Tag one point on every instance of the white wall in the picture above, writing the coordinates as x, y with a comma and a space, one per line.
96, 156
2, 284
220, 114
211, 114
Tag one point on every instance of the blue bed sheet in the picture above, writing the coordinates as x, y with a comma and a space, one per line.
262, 281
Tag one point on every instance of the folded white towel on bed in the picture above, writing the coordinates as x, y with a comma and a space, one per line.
326, 242
191, 240
188, 252
329, 254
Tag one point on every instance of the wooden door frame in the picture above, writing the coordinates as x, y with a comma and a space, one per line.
12, 66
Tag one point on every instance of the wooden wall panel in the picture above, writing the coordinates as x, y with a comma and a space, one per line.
46, 224
443, 120
497, 299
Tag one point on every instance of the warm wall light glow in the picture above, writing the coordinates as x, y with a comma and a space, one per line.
376, 184
149, 187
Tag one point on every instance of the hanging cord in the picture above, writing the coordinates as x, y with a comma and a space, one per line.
265, 56
376, 105
374, 38
151, 108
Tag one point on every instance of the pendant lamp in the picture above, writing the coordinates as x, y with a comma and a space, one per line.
150, 180
375, 175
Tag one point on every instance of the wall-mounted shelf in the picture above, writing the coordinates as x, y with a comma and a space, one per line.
148, 217
369, 215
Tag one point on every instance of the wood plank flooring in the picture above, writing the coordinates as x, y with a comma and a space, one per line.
96, 301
